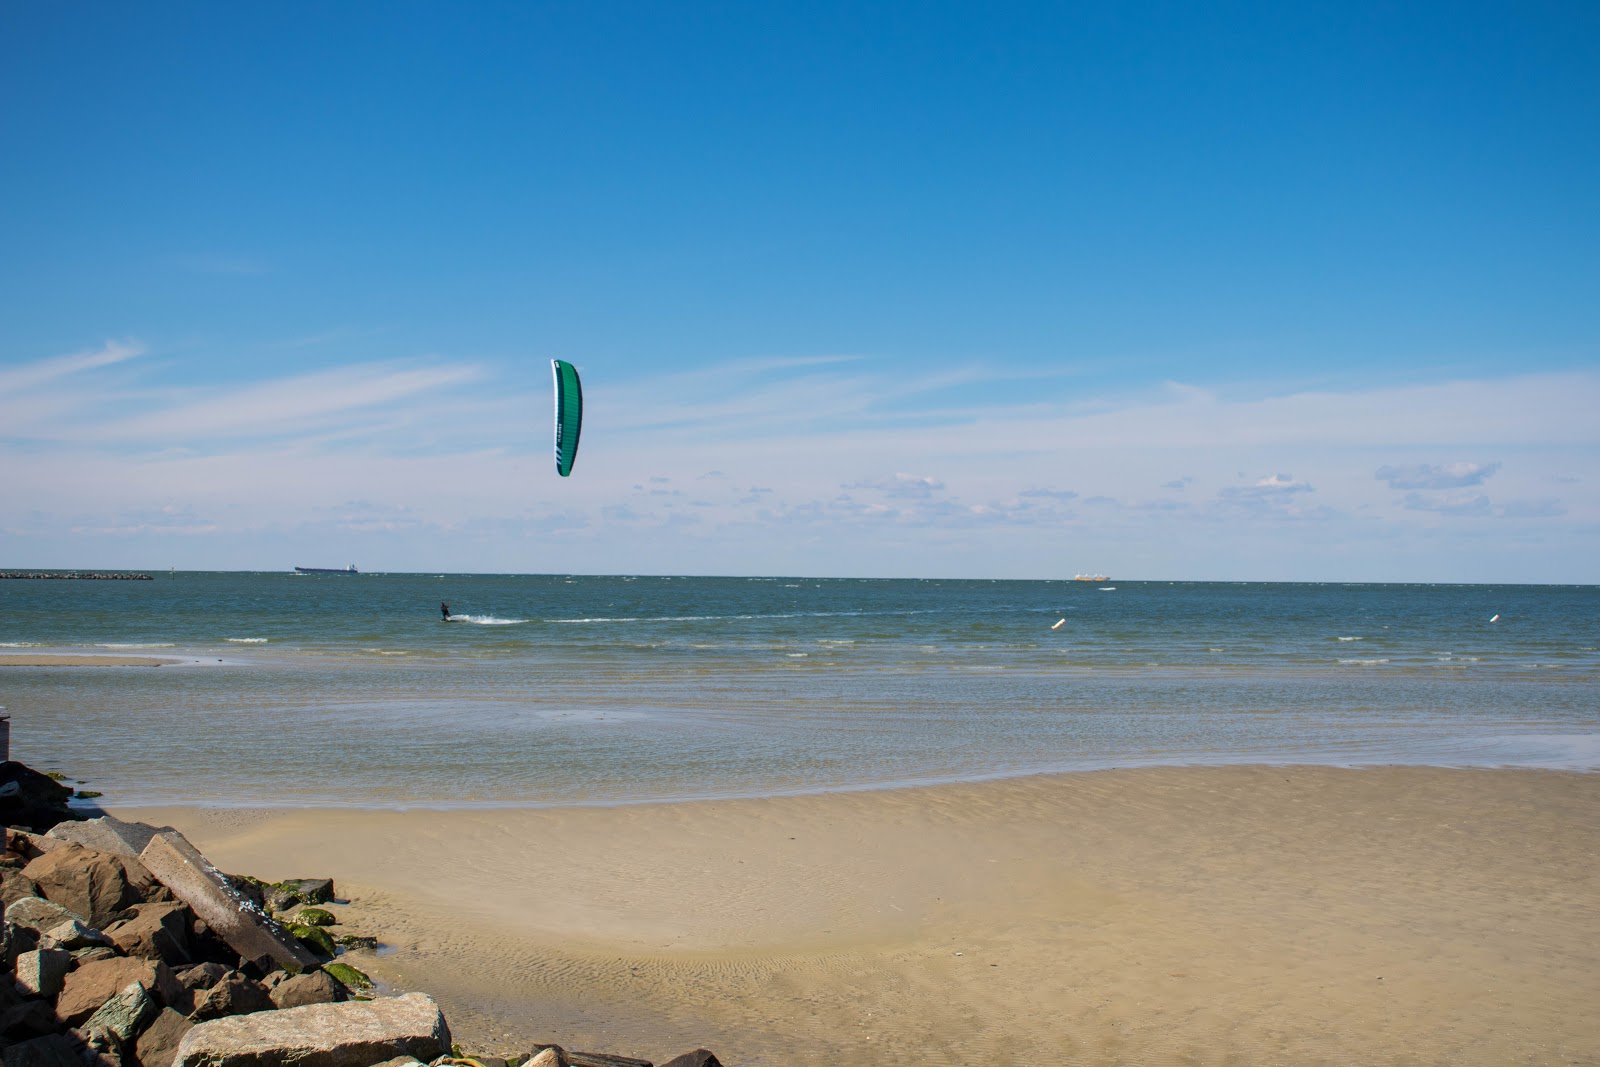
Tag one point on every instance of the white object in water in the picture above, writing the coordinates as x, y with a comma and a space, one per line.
1058, 625
1495, 619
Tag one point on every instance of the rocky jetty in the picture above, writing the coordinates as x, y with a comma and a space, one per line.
88, 576
127, 948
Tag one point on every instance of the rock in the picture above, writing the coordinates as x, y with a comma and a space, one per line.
700, 1057
313, 987
202, 976
42, 972
193, 880
32, 800
124, 1016
91, 884
159, 931
14, 941
284, 895
73, 934
105, 834
309, 916
315, 938
92, 984
15, 886
159, 1043
80, 956
52, 1050
353, 1034
352, 979
604, 1059
26, 1020
38, 914
233, 995
550, 1057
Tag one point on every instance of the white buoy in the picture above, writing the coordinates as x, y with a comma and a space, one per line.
1059, 625
1495, 619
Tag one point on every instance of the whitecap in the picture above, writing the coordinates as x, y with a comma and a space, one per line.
1348, 639
486, 620
147, 644
245, 640
1363, 662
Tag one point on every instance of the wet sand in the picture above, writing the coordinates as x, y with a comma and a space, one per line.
1253, 915
29, 659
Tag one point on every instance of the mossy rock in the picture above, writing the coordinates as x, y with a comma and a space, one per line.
87, 794
315, 917
305, 890
351, 978
317, 940
355, 940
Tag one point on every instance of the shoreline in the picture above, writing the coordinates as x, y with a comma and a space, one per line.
1272, 913
27, 659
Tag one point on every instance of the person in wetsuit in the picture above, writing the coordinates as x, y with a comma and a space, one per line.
444, 610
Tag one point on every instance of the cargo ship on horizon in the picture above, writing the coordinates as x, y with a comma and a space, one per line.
327, 570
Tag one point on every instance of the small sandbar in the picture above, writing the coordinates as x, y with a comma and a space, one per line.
33, 659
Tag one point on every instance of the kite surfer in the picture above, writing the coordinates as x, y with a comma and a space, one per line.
444, 611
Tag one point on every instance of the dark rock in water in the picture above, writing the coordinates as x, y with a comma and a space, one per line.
700, 1057
159, 1043
233, 995
52, 1050
32, 800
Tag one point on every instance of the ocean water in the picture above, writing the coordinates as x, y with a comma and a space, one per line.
335, 690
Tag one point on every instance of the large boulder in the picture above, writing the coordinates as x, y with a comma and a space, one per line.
158, 1045
157, 931
38, 914
105, 834
246, 929
92, 984
93, 884
42, 973
51, 1050
313, 987
234, 994
122, 1018
352, 1034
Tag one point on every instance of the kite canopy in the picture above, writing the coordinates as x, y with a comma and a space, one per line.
569, 414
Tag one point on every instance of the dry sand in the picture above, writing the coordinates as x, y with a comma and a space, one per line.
1251, 915
30, 659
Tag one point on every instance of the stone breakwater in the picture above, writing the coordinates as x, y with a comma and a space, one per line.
126, 947
96, 576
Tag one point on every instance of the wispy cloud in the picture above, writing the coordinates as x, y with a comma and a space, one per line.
32, 375
1436, 476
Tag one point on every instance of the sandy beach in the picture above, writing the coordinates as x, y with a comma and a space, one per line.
1255, 915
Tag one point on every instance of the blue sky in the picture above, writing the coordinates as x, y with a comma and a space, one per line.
1231, 291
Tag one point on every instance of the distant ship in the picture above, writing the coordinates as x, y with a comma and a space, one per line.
1075, 577
327, 570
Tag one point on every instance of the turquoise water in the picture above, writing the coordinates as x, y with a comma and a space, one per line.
350, 690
